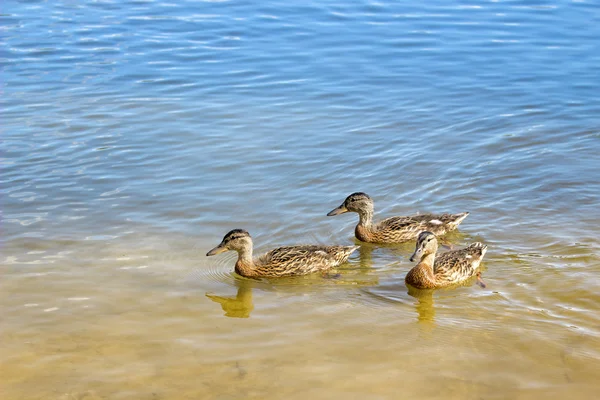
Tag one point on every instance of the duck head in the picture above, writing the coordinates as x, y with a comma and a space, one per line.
357, 202
237, 240
426, 244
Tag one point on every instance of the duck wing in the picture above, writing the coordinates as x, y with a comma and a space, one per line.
301, 260
412, 225
457, 265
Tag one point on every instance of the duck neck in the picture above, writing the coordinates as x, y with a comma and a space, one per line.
425, 270
421, 275
244, 265
427, 262
364, 229
365, 217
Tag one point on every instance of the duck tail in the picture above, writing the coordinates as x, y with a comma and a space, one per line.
348, 250
351, 249
456, 219
478, 249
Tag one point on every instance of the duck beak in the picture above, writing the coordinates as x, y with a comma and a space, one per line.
417, 255
217, 250
337, 211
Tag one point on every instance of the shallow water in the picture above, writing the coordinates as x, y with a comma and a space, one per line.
135, 134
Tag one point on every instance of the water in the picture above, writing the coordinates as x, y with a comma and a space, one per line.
135, 134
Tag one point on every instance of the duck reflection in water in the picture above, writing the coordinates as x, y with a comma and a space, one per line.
239, 306
425, 306
365, 260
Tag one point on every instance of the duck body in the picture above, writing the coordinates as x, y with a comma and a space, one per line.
403, 229
282, 261
299, 260
447, 269
394, 229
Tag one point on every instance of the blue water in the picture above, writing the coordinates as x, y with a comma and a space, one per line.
185, 106
135, 124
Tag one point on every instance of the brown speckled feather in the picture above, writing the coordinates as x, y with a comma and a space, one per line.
402, 229
458, 265
301, 260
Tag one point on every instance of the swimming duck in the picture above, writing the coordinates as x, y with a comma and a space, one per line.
282, 261
448, 268
394, 229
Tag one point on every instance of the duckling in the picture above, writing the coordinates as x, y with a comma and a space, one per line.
448, 268
282, 261
394, 229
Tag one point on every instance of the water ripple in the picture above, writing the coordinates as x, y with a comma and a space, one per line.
135, 134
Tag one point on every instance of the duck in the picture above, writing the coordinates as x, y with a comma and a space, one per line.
394, 229
282, 261
450, 268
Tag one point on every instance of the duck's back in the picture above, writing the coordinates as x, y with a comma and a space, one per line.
302, 260
457, 265
405, 228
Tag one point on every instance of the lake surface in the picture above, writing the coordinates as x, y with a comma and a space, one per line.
135, 134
